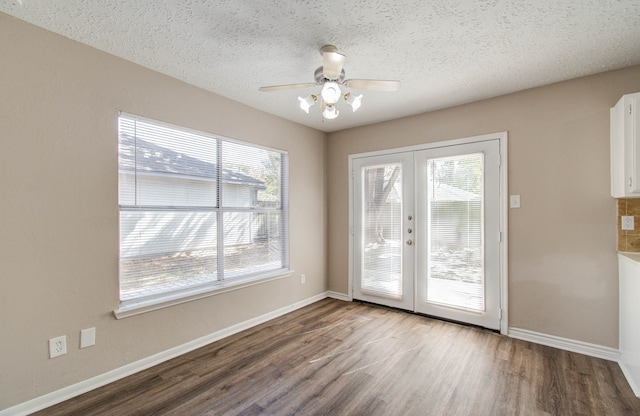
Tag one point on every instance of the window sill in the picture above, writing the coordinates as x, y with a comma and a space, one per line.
136, 307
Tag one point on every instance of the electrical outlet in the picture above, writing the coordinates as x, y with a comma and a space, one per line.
303, 279
57, 346
627, 223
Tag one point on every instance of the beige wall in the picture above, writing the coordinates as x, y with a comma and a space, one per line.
59, 102
562, 242
59, 214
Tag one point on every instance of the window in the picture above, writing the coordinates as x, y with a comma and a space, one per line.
197, 212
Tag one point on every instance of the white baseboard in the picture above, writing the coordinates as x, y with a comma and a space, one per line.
593, 350
585, 348
339, 296
628, 375
82, 387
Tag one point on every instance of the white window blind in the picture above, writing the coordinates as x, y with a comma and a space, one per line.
382, 227
455, 250
196, 210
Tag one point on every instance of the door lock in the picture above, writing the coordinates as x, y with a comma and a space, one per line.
409, 242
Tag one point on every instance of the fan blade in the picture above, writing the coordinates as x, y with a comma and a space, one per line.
287, 87
372, 84
332, 63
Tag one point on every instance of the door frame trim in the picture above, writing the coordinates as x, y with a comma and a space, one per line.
504, 243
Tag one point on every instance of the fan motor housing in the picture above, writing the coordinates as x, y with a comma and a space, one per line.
321, 79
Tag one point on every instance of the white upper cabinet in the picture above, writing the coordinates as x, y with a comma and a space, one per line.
625, 147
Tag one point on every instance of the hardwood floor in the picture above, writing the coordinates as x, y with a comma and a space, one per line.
349, 358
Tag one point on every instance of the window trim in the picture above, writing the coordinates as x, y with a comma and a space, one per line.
150, 303
165, 300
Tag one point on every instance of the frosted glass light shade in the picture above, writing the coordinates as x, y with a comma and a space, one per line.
306, 103
355, 101
331, 92
330, 112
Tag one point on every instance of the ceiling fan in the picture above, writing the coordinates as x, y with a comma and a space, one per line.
331, 76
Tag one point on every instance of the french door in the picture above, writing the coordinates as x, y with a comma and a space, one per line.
426, 231
383, 210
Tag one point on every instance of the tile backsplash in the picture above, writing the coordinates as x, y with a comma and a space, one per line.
629, 240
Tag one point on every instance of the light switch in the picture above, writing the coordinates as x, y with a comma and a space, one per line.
514, 201
87, 337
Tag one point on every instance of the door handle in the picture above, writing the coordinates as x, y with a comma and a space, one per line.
409, 242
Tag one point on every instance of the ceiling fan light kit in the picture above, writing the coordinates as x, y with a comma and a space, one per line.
331, 76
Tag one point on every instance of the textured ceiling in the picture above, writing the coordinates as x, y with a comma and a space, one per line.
444, 52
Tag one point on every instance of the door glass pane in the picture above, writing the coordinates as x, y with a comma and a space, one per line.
455, 256
382, 230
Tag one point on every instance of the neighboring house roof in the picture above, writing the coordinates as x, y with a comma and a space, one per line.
159, 159
448, 193
442, 193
